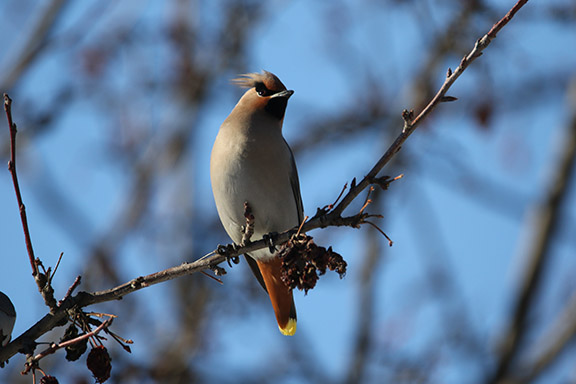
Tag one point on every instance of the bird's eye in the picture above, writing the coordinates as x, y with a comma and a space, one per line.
261, 89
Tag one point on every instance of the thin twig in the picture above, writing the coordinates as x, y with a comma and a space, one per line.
57, 265
70, 290
43, 280
368, 200
212, 277
301, 224
390, 242
12, 169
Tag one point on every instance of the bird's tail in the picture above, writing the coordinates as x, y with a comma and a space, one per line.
280, 295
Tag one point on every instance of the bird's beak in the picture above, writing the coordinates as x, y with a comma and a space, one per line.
285, 94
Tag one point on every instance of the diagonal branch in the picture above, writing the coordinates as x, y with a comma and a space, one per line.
411, 125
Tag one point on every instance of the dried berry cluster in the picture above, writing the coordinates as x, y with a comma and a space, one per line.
303, 262
48, 380
99, 362
74, 351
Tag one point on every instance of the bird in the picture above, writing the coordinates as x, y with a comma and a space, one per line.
252, 163
7, 319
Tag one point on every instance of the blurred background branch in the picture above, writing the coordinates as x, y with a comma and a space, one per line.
546, 218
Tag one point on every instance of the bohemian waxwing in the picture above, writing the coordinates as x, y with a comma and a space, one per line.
251, 162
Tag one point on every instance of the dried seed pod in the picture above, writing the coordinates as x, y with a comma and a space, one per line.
74, 351
48, 380
303, 262
99, 363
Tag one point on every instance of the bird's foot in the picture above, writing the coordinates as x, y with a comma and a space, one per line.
269, 238
226, 250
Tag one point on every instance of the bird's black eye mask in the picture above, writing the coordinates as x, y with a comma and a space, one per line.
262, 91
277, 105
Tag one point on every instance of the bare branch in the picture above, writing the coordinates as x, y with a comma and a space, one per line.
43, 279
12, 169
411, 125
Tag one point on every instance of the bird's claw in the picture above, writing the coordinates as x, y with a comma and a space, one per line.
269, 239
226, 250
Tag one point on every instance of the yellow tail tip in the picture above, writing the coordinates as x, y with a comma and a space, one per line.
289, 329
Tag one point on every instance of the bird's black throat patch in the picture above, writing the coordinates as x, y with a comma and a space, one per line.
277, 107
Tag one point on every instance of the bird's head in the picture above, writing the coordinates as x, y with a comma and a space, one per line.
266, 93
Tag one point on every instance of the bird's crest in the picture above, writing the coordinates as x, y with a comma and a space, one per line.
251, 80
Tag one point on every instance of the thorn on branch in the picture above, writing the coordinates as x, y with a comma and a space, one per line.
449, 73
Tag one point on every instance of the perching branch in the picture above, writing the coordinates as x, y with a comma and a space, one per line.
324, 218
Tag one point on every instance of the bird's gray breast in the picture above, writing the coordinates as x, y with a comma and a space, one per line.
257, 171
